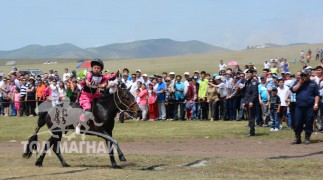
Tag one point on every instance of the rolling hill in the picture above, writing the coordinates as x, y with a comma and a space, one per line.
153, 48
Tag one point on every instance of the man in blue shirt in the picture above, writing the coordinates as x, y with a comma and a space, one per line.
307, 99
263, 100
179, 98
161, 98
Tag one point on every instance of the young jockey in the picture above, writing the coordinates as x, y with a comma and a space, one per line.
93, 81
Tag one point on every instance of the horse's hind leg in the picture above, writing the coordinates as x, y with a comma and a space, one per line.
48, 144
57, 150
110, 149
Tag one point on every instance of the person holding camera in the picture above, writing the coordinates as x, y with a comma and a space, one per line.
307, 99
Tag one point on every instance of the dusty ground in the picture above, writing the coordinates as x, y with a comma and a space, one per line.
214, 148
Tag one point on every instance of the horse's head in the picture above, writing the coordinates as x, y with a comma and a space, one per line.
128, 102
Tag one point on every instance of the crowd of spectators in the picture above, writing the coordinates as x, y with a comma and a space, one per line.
189, 96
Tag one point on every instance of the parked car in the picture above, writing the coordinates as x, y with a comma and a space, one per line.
50, 62
33, 72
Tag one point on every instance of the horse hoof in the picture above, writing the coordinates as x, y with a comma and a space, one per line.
116, 167
122, 158
66, 165
39, 164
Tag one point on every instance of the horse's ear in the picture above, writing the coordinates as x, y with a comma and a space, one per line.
129, 88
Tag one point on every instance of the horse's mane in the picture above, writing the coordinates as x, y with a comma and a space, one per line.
106, 96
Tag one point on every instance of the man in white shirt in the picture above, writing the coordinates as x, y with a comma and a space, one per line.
186, 83
1, 83
267, 65
126, 81
222, 66
66, 74
145, 80
133, 85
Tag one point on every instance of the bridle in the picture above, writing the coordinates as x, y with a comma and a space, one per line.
116, 94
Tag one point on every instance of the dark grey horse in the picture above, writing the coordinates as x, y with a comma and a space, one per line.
59, 121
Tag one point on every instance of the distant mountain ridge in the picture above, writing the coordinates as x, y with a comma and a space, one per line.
138, 49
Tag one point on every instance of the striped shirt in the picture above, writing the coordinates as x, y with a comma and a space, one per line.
23, 91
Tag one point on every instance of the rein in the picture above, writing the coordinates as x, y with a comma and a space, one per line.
127, 106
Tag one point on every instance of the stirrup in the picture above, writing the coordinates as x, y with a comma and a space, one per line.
78, 129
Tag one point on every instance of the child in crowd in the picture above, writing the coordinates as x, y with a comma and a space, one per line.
274, 107
16, 97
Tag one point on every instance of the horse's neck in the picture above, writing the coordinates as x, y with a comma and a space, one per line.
111, 107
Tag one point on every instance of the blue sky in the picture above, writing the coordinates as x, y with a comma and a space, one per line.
232, 24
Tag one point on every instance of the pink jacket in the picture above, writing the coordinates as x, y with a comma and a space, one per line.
143, 97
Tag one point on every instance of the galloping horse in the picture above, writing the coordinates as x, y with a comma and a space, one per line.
104, 111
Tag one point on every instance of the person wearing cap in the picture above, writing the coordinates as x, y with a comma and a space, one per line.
73, 75
138, 75
172, 77
251, 100
307, 99
222, 91
145, 80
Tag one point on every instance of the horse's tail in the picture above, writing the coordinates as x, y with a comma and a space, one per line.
32, 142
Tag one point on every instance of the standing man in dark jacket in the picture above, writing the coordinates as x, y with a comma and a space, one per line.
307, 99
250, 100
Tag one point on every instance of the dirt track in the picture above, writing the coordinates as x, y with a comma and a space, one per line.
247, 147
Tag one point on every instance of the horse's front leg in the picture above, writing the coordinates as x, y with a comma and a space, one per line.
120, 154
110, 149
48, 144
